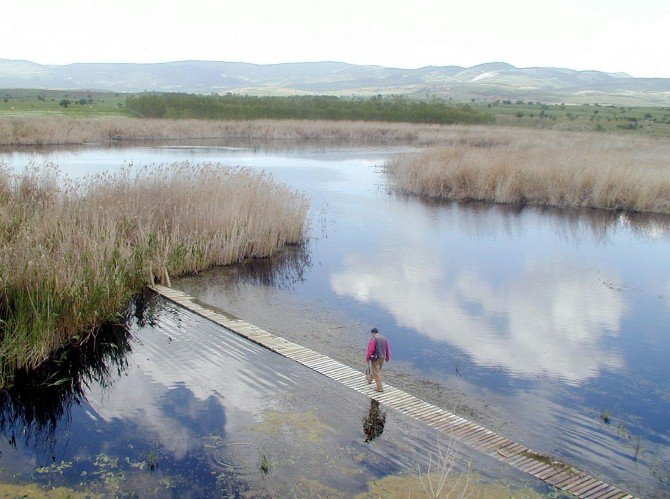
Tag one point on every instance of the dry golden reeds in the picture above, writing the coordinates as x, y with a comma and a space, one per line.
58, 130
545, 168
73, 253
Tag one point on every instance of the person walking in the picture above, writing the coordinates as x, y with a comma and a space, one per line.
378, 352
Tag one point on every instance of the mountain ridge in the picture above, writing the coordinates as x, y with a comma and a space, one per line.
488, 81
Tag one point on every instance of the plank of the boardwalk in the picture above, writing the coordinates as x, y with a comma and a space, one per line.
357, 384
336, 373
577, 483
595, 491
415, 407
316, 363
512, 449
308, 354
352, 375
466, 429
445, 418
491, 444
383, 397
522, 461
539, 469
615, 493
342, 369
590, 484
459, 430
587, 486
404, 405
347, 377
487, 441
303, 356
578, 479
402, 396
321, 362
448, 426
551, 472
468, 434
566, 483
411, 410
495, 444
603, 493
418, 410
288, 350
432, 412
560, 477
424, 413
535, 467
482, 436
324, 367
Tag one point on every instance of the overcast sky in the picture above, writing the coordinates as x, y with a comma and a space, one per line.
607, 35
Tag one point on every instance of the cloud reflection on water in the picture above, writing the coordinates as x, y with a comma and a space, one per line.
545, 320
191, 356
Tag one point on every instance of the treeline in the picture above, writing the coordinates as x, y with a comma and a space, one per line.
244, 107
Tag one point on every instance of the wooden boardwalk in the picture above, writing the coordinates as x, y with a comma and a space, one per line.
477, 437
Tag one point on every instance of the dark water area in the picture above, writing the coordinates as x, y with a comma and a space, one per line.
549, 326
171, 405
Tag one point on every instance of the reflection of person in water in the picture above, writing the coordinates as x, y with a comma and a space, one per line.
373, 424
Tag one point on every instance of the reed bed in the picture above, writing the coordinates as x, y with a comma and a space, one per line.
72, 254
55, 130
550, 168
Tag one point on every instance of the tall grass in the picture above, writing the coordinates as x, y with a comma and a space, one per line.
73, 253
545, 168
53, 130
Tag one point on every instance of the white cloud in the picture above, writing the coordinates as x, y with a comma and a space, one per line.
548, 320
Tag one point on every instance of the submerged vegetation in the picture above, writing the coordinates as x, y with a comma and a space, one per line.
72, 254
543, 168
306, 107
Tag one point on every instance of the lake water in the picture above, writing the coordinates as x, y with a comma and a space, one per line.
551, 327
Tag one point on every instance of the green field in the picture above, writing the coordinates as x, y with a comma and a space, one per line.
26, 102
652, 121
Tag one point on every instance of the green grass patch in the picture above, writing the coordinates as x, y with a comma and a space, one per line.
652, 121
39, 102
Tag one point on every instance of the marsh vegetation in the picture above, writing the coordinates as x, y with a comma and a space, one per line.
55, 130
73, 253
543, 168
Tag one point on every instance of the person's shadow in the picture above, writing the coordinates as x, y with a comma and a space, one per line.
373, 424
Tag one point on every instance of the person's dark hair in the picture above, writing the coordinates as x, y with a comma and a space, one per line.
374, 330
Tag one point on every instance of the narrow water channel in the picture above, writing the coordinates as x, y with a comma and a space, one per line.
549, 326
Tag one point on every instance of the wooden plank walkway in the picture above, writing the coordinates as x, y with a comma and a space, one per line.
477, 437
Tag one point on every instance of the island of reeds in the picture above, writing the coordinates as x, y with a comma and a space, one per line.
73, 253
563, 169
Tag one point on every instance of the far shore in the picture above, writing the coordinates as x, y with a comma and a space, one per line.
501, 164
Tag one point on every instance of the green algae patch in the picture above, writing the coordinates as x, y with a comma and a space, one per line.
33, 490
306, 423
464, 485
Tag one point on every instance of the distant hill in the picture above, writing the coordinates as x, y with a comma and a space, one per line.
490, 82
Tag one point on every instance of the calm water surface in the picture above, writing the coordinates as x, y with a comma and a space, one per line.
549, 326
